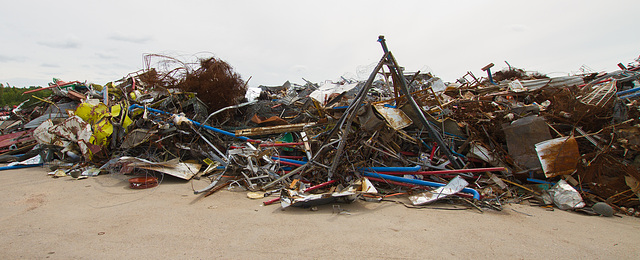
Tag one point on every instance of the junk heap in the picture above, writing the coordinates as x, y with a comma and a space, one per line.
512, 137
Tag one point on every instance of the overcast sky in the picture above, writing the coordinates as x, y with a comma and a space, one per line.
275, 41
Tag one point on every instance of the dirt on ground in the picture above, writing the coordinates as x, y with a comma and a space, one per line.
102, 218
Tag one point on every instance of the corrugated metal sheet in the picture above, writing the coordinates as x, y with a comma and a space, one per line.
57, 111
39, 120
566, 81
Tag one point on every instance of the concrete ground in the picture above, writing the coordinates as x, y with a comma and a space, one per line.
101, 218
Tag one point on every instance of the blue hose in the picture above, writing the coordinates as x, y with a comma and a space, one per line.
288, 160
628, 91
391, 169
475, 193
630, 96
220, 131
19, 166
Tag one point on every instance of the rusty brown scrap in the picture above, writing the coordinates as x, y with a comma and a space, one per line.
513, 136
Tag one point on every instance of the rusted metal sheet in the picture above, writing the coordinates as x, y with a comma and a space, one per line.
75, 95
394, 116
272, 129
558, 156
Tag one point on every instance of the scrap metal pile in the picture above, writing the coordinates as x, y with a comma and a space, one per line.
514, 136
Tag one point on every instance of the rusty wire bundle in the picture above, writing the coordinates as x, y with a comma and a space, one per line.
214, 80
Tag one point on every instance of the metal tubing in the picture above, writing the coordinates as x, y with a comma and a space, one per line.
288, 160
220, 131
291, 173
475, 193
630, 96
294, 157
446, 171
344, 124
392, 182
271, 201
490, 77
319, 186
392, 169
226, 160
19, 166
628, 91
229, 107
67, 84
289, 163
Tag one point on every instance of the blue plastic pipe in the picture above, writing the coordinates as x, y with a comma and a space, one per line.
628, 91
19, 166
288, 160
220, 131
392, 169
473, 192
540, 181
630, 96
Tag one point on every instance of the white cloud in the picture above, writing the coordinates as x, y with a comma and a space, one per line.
70, 43
6, 58
49, 65
518, 27
130, 38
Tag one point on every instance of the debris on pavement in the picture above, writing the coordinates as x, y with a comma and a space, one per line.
512, 137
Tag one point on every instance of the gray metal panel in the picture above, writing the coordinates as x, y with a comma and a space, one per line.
36, 122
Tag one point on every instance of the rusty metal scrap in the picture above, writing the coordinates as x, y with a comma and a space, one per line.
506, 138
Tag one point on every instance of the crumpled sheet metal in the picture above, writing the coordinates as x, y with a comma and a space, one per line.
118, 111
97, 114
92, 111
42, 135
72, 130
564, 196
173, 167
323, 93
31, 161
101, 132
454, 186
297, 198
